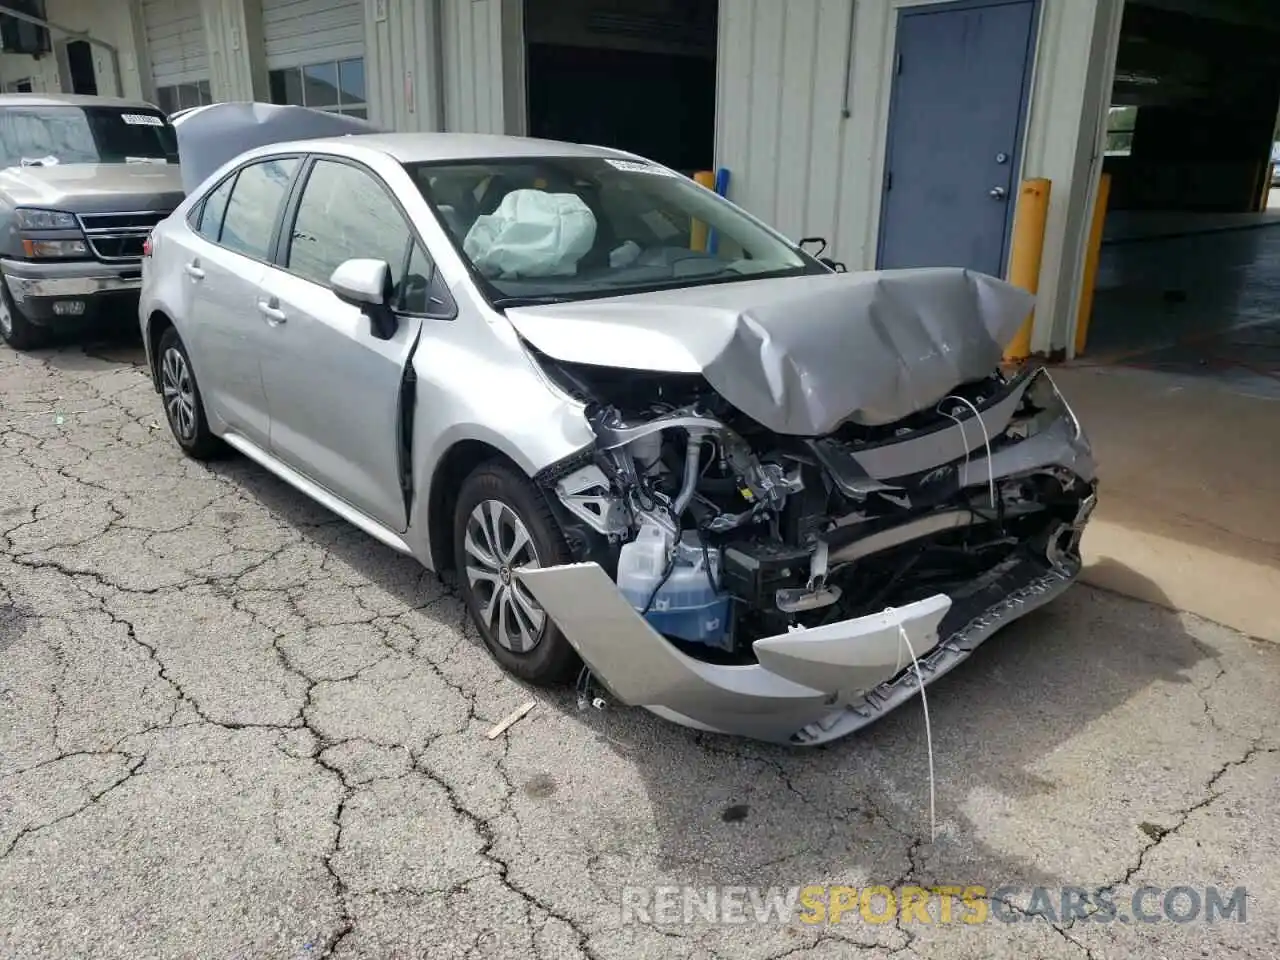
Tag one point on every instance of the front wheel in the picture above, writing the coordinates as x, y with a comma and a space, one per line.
502, 524
15, 329
183, 405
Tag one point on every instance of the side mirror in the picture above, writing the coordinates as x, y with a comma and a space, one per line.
367, 284
835, 265
820, 243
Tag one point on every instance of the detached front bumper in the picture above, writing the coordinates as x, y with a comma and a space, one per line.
57, 294
809, 686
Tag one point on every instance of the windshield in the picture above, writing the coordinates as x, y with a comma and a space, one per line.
43, 136
554, 228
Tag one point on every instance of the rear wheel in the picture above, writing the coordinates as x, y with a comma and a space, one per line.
502, 524
16, 330
183, 406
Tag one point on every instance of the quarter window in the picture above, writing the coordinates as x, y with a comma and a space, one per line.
416, 290
345, 213
251, 214
213, 210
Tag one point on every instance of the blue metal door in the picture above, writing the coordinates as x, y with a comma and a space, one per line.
962, 73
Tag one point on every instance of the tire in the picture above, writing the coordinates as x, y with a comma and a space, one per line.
183, 405
496, 490
15, 329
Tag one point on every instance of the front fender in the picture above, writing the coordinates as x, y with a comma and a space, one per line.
493, 397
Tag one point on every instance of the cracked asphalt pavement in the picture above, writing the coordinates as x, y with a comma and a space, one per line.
232, 725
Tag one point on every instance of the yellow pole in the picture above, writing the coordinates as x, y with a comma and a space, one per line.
1028, 249
698, 230
1092, 256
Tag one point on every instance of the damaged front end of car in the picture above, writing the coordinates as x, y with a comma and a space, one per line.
793, 588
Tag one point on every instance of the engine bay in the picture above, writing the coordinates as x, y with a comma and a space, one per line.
719, 531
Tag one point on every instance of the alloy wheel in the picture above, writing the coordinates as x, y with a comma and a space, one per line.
6, 317
497, 544
178, 391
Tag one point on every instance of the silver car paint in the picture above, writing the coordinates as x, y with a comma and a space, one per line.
518, 413
90, 187
332, 390
783, 351
476, 383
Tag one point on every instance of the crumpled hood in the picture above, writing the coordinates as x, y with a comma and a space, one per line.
801, 355
95, 187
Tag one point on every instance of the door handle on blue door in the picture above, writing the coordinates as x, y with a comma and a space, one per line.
271, 310
194, 271
997, 193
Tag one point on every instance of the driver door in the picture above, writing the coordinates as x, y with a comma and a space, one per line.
333, 388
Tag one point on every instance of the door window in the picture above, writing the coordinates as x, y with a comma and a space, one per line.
346, 213
255, 202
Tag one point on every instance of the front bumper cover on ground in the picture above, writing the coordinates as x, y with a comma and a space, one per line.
810, 686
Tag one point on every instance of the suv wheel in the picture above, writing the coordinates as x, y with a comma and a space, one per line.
16, 330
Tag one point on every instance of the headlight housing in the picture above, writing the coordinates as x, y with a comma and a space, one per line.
47, 249
29, 219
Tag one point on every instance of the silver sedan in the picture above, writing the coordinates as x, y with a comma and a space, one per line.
662, 447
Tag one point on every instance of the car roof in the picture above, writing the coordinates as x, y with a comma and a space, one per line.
436, 147
69, 100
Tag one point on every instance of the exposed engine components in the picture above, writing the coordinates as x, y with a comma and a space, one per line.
718, 531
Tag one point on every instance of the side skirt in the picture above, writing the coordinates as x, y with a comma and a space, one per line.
318, 493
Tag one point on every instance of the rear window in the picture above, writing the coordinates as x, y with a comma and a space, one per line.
45, 136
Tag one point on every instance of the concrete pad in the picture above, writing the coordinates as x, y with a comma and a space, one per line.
1189, 506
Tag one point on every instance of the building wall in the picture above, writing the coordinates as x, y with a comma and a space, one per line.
802, 100
803, 105
404, 74
115, 21
483, 64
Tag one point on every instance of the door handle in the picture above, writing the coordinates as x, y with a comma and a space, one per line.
273, 313
997, 193
194, 271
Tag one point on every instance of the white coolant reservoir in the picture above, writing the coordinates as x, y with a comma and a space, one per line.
686, 604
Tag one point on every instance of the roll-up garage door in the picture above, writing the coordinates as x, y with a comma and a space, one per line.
301, 32
178, 52
315, 53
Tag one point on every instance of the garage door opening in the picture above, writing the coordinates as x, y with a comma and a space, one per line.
1189, 273
638, 75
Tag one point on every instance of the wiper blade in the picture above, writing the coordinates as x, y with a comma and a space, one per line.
530, 301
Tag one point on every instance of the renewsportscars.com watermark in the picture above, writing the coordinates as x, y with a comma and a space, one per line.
820, 905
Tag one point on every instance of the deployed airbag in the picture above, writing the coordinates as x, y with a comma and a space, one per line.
801, 355
532, 234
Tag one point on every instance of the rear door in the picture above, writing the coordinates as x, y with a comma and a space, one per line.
334, 388
234, 234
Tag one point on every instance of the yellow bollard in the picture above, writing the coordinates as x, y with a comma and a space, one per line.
1091, 258
1028, 248
698, 229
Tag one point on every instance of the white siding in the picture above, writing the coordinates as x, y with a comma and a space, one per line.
301, 32
802, 122
483, 46
403, 69
779, 96
237, 64
175, 41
